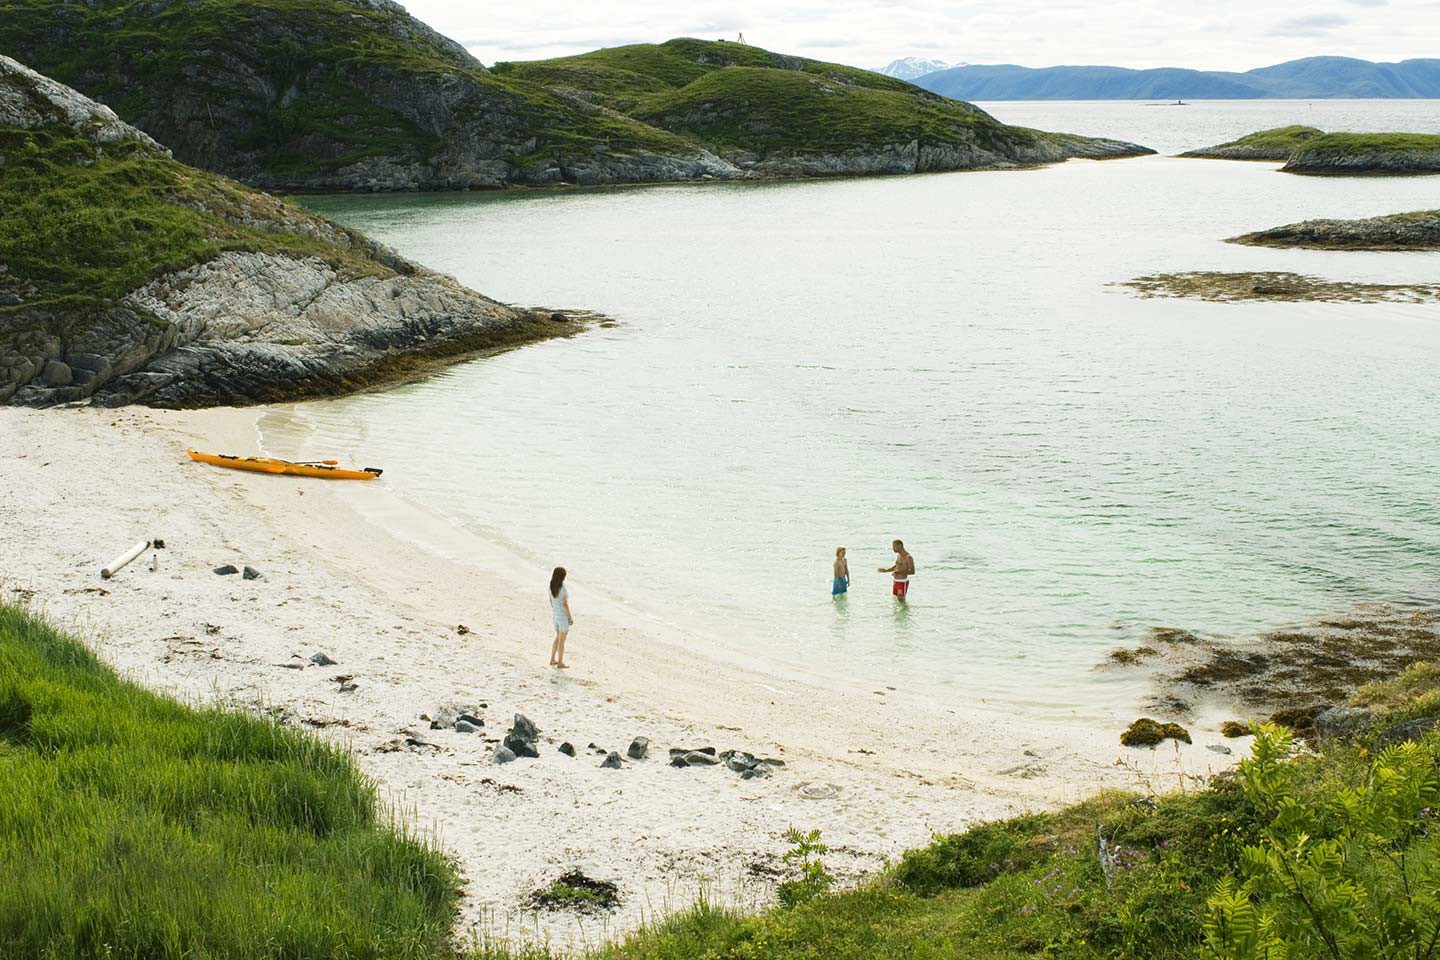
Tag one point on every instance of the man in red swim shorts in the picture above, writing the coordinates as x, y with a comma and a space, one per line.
902, 571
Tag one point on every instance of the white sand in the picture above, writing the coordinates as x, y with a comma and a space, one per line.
379, 585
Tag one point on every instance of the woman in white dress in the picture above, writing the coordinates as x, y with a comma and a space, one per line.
560, 611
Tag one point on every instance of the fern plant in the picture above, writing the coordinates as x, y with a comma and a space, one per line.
1354, 877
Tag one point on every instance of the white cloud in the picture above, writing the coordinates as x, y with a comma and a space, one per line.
1313, 25
1139, 33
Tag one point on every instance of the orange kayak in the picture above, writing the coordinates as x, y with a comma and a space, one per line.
266, 465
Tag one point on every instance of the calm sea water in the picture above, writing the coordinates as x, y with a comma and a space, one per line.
938, 358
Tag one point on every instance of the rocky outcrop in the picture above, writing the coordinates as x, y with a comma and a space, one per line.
257, 327
1274, 146
915, 157
1401, 231
1312, 151
1352, 161
282, 305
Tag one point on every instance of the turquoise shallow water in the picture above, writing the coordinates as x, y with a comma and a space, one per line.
938, 358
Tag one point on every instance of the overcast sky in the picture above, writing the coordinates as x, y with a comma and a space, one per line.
1214, 35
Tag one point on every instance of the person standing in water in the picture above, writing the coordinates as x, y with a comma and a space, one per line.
842, 574
902, 570
560, 612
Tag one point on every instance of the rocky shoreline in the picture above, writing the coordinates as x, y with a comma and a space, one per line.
1401, 231
1348, 162
255, 301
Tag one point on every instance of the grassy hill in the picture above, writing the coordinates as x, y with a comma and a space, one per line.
306, 92
356, 94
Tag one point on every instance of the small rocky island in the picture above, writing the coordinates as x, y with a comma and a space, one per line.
1311, 151
1419, 230
331, 95
1274, 145
126, 276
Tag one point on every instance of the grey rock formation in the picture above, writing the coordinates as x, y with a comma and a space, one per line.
29, 100
697, 758
503, 754
1350, 163
1341, 722
1240, 152
611, 762
639, 747
1404, 231
522, 726
245, 326
522, 740
1409, 730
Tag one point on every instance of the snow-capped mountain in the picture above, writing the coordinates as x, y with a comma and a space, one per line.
909, 68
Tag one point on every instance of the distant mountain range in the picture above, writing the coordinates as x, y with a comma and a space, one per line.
911, 68
1313, 78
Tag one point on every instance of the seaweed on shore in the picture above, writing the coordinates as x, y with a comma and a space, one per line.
1281, 286
1295, 670
574, 890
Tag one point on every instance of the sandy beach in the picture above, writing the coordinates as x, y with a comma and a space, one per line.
380, 585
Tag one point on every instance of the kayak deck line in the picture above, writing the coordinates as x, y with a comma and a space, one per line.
325, 470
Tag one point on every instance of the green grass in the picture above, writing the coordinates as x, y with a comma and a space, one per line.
768, 110
1280, 137
84, 225
132, 826
731, 97
1415, 682
1370, 143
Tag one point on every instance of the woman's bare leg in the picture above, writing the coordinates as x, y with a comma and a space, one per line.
554, 647
560, 651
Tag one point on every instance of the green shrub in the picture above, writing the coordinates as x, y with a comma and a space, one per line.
1355, 875
977, 856
805, 852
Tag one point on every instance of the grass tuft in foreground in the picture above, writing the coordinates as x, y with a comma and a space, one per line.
133, 826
